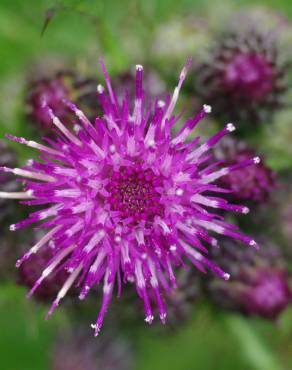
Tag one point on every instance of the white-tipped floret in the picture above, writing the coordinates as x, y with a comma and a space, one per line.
100, 89
118, 239
214, 243
179, 192
101, 233
207, 108
112, 148
149, 319
161, 103
256, 160
151, 143
245, 210
139, 67
230, 127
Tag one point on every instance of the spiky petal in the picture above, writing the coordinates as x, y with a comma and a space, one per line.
29, 272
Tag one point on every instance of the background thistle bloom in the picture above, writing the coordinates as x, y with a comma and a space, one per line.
63, 84
127, 202
259, 284
244, 76
253, 183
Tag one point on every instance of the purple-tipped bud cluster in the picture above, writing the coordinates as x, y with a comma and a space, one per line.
76, 350
259, 284
125, 201
30, 271
53, 89
254, 183
244, 76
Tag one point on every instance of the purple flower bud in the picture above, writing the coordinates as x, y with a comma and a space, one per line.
53, 90
259, 283
244, 76
254, 183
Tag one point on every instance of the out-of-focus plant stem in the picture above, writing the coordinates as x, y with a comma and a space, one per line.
250, 345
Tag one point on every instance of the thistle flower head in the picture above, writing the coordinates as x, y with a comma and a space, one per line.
63, 84
254, 183
125, 201
259, 284
244, 76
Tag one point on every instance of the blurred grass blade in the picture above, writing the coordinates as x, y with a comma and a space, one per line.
256, 353
49, 14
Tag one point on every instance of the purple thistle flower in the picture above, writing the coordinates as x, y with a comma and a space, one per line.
259, 284
126, 200
64, 84
254, 183
244, 76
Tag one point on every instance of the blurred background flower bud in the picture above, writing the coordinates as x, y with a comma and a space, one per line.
259, 282
254, 183
63, 84
244, 75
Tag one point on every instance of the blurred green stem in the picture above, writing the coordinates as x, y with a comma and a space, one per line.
256, 353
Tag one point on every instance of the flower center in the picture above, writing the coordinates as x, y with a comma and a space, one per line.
250, 74
134, 193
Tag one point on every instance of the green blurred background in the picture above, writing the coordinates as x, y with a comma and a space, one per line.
121, 31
